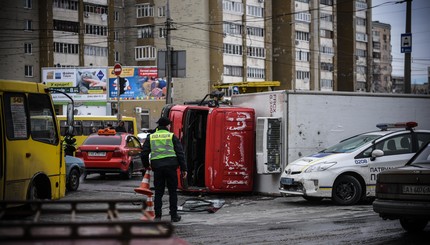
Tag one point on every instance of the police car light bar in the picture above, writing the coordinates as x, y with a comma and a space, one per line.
406, 125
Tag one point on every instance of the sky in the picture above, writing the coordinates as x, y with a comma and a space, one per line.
390, 12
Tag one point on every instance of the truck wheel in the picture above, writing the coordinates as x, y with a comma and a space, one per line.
346, 190
73, 181
413, 225
313, 199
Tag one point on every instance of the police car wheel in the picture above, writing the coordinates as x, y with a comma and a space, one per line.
346, 190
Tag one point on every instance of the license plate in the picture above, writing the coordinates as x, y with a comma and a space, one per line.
416, 189
97, 154
287, 181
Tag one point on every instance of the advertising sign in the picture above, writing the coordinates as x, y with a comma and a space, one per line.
80, 83
141, 83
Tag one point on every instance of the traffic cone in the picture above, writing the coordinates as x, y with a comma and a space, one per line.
144, 185
149, 213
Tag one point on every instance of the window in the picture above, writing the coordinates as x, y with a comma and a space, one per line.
361, 37
69, 26
303, 75
115, 36
162, 11
236, 71
326, 33
327, 2
28, 25
255, 31
326, 17
254, 11
116, 56
256, 52
360, 21
361, 53
28, 71
145, 32
95, 8
256, 73
303, 36
302, 55
232, 28
326, 50
326, 83
232, 49
42, 119
66, 48
95, 51
66, 4
145, 53
116, 16
232, 6
162, 33
144, 10
303, 16
326, 66
361, 69
96, 30
28, 4
28, 48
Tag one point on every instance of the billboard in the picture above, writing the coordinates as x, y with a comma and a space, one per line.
80, 83
141, 83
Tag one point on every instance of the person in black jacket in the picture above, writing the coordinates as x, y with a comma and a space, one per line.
163, 153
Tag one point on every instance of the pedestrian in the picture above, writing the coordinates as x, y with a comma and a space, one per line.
164, 151
120, 127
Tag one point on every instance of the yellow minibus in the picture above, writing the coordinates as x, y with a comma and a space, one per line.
32, 164
88, 124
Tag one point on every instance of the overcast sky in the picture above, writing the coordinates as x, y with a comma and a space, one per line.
389, 12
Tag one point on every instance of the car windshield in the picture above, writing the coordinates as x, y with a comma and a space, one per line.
349, 145
423, 158
103, 140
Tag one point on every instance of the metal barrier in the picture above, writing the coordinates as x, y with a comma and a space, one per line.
95, 221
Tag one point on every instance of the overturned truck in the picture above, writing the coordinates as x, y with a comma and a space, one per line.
219, 145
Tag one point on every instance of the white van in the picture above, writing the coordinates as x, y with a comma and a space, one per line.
346, 172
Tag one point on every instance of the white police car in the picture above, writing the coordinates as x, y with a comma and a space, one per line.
346, 172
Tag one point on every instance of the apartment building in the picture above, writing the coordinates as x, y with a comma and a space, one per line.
354, 46
240, 45
382, 68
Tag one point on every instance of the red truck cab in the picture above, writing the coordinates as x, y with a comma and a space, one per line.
219, 145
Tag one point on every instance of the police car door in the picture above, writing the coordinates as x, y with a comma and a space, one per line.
397, 151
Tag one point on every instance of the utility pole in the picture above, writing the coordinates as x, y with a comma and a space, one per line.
168, 56
407, 70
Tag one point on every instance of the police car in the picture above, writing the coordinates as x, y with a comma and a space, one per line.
346, 172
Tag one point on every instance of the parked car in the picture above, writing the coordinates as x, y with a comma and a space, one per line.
110, 152
346, 172
404, 193
75, 167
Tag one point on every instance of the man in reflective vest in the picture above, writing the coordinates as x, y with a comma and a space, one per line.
165, 152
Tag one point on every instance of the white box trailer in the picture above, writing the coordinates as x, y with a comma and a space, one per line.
293, 124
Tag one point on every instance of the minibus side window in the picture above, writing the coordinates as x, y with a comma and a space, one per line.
16, 116
42, 119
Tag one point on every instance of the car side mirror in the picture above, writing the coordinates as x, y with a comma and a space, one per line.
376, 153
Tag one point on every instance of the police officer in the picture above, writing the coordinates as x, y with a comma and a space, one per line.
166, 155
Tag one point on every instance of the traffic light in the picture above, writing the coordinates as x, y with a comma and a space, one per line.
121, 85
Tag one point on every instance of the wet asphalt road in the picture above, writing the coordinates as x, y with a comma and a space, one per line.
258, 219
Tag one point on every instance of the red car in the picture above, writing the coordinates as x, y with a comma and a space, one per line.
110, 152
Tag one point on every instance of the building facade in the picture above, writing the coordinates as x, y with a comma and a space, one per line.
234, 45
382, 68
